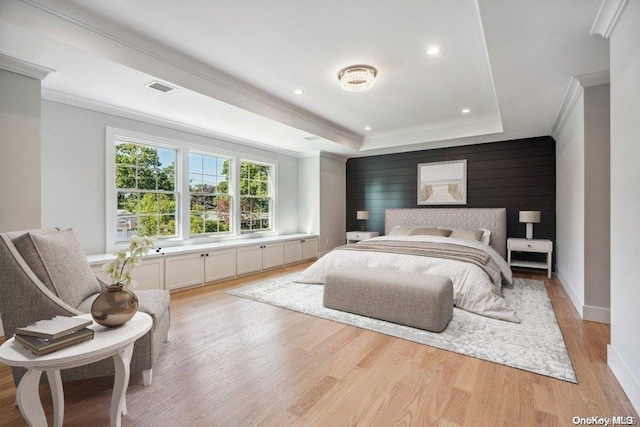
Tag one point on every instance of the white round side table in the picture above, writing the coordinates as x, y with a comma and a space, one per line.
116, 343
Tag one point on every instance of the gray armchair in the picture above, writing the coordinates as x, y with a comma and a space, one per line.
30, 292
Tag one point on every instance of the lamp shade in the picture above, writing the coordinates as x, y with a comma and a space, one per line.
362, 215
529, 216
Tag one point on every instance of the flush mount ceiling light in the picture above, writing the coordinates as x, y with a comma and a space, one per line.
298, 92
433, 50
357, 78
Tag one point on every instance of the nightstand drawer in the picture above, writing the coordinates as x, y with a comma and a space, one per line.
361, 235
533, 245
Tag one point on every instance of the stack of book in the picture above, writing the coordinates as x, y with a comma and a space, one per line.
47, 336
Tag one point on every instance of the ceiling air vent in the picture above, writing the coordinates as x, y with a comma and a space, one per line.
312, 138
160, 86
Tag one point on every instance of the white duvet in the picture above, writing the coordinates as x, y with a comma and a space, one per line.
473, 290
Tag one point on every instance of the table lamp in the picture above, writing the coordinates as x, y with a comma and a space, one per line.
362, 216
530, 217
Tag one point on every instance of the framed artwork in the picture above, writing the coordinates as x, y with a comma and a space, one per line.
442, 183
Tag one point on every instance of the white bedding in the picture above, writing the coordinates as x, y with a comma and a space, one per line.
473, 290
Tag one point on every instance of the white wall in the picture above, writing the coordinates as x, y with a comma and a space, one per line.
19, 152
570, 204
582, 200
624, 350
309, 194
333, 204
597, 186
73, 170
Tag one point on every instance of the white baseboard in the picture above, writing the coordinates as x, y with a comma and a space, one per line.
596, 314
586, 312
1, 330
577, 302
626, 380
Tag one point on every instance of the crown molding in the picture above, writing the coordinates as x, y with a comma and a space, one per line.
327, 155
575, 89
25, 68
333, 156
435, 132
101, 107
77, 27
607, 17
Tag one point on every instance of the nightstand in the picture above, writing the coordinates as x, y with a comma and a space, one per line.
542, 246
356, 236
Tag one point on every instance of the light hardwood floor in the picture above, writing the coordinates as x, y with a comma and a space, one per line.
231, 361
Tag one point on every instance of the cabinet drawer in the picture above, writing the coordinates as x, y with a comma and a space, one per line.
361, 235
533, 245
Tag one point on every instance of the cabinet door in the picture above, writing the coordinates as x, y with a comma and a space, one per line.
184, 270
248, 259
310, 248
219, 265
272, 255
149, 274
292, 252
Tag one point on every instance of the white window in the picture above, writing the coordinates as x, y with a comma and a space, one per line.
256, 197
177, 191
210, 200
146, 191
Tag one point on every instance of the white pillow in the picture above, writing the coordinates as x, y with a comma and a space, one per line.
486, 236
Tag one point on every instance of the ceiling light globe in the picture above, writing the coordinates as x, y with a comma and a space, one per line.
433, 50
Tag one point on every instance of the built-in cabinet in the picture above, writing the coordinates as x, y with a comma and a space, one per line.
300, 250
148, 275
199, 268
259, 257
183, 267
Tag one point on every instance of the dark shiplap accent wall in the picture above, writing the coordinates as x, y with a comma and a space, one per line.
517, 175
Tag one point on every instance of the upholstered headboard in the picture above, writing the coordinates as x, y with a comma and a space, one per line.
494, 219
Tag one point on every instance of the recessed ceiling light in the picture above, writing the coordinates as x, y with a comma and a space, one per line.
367, 128
298, 91
466, 110
433, 50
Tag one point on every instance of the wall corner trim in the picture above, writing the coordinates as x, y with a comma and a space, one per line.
607, 17
624, 377
25, 68
575, 89
577, 303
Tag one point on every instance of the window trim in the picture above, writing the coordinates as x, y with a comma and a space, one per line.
182, 185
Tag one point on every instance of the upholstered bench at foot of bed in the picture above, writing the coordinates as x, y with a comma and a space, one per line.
411, 299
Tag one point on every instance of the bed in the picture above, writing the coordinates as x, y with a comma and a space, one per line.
477, 269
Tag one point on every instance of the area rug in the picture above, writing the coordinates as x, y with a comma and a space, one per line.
535, 345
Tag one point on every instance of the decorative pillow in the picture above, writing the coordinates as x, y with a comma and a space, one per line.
443, 232
400, 231
66, 265
24, 245
486, 236
415, 231
459, 233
